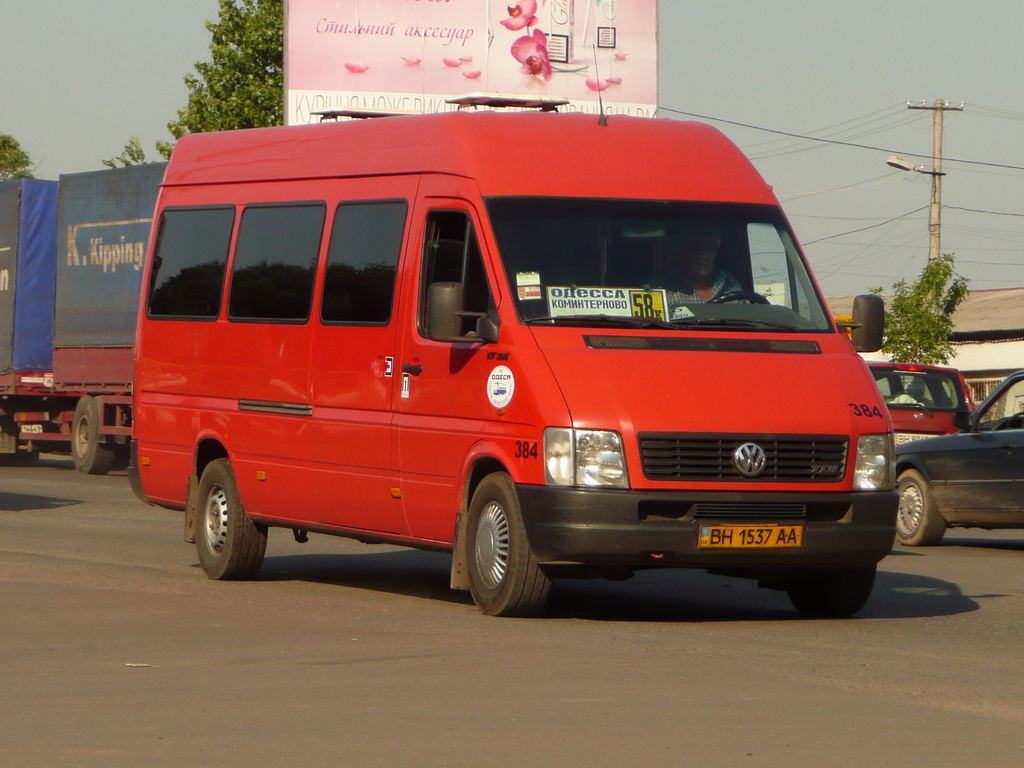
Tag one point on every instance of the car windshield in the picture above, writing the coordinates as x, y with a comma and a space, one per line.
582, 261
934, 390
1005, 410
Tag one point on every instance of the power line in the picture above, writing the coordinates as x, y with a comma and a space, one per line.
863, 229
979, 210
837, 141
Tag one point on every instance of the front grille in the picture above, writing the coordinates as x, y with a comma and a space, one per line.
689, 510
747, 511
790, 458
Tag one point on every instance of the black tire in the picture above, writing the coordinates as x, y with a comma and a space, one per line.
20, 458
918, 522
832, 594
504, 577
92, 454
230, 545
122, 456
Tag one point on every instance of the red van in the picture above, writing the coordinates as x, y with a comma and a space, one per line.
471, 332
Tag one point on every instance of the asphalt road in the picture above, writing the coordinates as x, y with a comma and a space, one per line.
115, 650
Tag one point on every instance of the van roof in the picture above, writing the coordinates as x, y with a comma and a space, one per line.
518, 153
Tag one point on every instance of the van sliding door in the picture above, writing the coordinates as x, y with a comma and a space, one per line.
353, 361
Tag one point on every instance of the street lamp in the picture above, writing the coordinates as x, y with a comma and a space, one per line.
940, 106
933, 211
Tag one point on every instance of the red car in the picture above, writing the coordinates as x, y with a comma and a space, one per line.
923, 400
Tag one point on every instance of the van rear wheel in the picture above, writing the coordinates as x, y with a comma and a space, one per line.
230, 544
504, 577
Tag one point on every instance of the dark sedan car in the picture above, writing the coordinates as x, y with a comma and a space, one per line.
974, 478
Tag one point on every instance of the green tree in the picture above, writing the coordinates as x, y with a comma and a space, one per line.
242, 86
919, 319
133, 154
14, 161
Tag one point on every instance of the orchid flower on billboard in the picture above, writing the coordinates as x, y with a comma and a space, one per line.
522, 14
532, 52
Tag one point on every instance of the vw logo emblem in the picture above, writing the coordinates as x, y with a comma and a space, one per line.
749, 459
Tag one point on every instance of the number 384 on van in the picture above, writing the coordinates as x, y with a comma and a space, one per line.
551, 364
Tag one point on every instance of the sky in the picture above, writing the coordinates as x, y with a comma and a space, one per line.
816, 94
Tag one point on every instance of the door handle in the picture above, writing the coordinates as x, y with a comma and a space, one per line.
414, 368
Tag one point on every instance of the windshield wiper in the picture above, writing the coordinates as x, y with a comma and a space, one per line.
733, 322
621, 320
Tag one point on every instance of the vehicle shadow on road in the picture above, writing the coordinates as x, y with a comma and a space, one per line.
911, 596
650, 596
410, 572
1006, 545
21, 502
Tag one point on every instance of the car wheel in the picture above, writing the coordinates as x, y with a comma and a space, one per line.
832, 594
504, 577
918, 522
230, 544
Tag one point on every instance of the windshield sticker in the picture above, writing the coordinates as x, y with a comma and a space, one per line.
500, 386
528, 285
618, 302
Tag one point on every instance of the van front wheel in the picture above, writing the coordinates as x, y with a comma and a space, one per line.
504, 577
230, 545
832, 593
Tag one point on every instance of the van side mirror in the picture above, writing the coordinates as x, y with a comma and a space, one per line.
868, 322
446, 316
444, 302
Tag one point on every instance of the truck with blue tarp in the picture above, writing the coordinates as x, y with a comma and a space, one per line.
71, 255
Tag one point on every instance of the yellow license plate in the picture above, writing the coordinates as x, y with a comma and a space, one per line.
909, 437
751, 537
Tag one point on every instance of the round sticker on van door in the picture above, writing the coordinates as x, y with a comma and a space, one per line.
500, 386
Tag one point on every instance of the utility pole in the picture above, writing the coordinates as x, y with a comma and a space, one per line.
938, 107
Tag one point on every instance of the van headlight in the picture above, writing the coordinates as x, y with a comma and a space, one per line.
874, 468
590, 458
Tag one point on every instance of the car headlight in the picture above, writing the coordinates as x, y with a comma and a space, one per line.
874, 468
584, 457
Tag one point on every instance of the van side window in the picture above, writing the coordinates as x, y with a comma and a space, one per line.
189, 262
452, 254
275, 262
362, 261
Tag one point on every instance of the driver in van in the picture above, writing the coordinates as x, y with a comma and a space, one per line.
687, 266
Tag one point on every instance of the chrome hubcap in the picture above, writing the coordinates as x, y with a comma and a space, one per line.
911, 510
492, 544
217, 520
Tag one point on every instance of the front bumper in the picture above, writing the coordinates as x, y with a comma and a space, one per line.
645, 529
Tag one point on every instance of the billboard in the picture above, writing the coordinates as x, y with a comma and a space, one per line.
413, 55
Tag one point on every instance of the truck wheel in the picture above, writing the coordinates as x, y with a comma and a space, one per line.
918, 522
504, 577
832, 594
230, 545
89, 450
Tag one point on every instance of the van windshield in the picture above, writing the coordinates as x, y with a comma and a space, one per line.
584, 261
